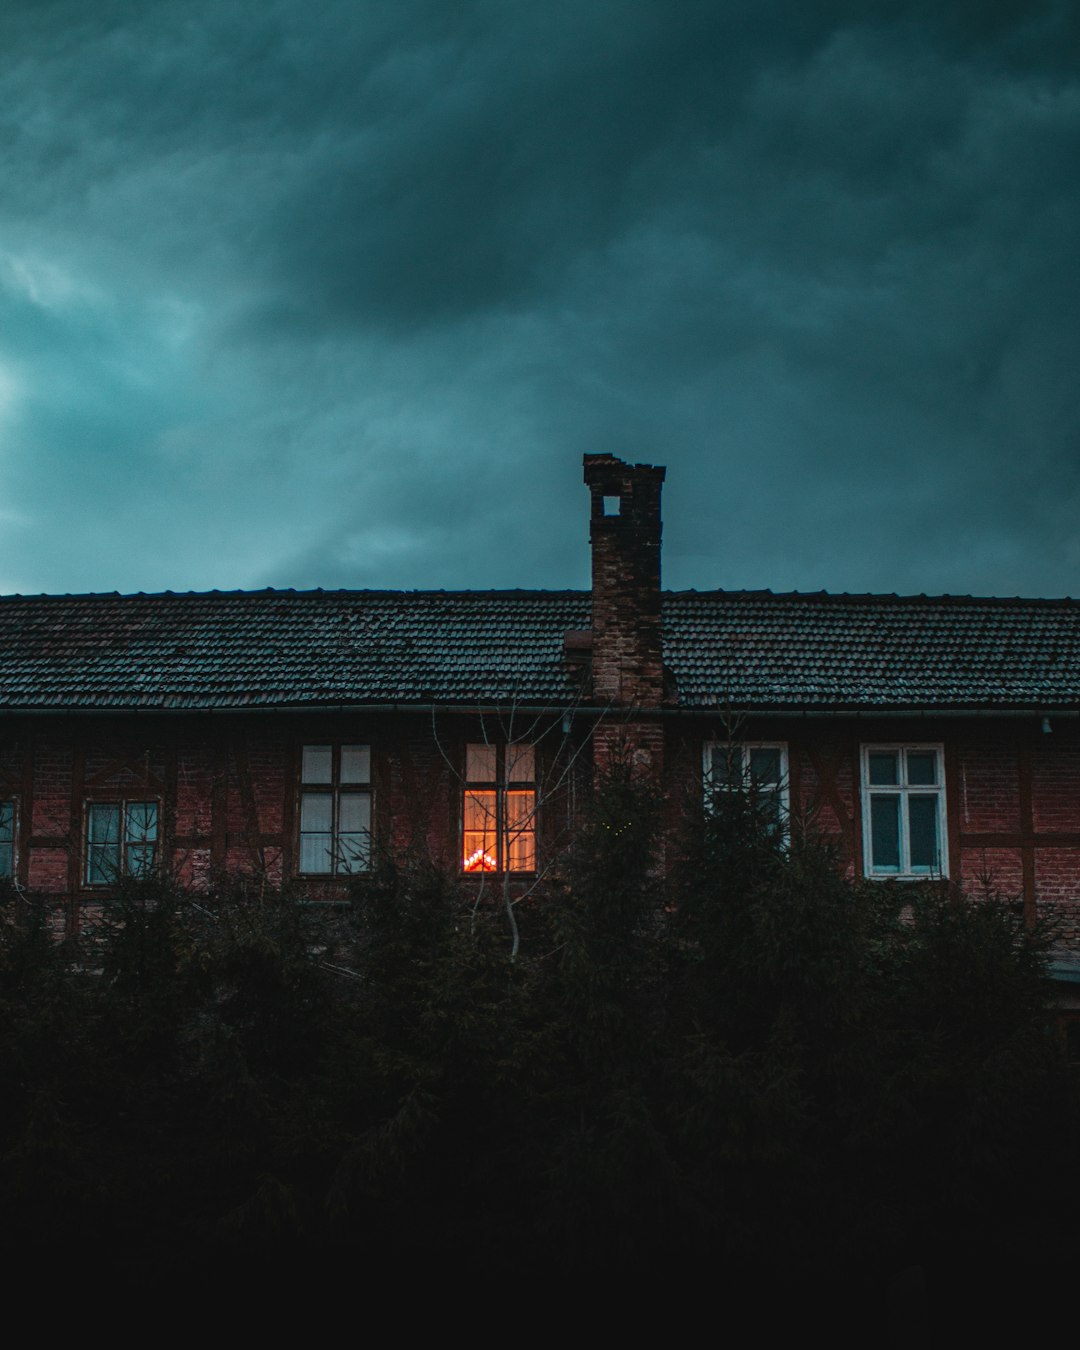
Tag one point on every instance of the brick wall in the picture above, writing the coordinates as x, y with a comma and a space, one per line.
228, 787
627, 649
1012, 796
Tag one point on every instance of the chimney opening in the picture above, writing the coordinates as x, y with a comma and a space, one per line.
612, 506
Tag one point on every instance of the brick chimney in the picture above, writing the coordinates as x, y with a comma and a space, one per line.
627, 656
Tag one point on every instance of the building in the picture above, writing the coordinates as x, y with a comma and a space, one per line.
294, 732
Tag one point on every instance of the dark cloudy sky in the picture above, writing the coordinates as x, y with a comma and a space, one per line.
338, 293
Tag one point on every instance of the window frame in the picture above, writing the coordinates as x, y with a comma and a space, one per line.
335, 789
783, 784
124, 844
10, 846
503, 787
903, 790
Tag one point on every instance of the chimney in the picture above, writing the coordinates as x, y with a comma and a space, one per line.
627, 655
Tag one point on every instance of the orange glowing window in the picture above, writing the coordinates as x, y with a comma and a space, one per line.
498, 814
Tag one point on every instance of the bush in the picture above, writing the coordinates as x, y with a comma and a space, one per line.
732, 1057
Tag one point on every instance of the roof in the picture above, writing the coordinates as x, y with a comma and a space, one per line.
741, 649
756, 649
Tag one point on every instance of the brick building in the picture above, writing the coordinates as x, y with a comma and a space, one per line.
296, 731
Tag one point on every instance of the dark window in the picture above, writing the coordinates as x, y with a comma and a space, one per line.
903, 810
121, 840
335, 809
7, 839
759, 768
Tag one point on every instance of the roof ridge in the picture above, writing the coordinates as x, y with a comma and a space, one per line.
273, 593
720, 593
868, 597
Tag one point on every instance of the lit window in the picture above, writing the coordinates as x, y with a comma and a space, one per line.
335, 809
7, 839
121, 840
903, 806
758, 767
499, 809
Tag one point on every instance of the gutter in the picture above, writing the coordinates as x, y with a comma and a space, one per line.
536, 709
337, 709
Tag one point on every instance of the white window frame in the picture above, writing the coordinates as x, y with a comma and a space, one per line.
903, 790
743, 748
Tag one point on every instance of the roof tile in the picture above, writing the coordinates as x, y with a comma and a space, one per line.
746, 649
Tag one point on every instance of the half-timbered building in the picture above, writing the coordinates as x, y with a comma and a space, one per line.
298, 732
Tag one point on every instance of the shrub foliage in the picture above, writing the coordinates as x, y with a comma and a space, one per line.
727, 1054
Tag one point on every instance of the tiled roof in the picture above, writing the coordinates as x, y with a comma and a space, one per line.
756, 649
273, 648
723, 648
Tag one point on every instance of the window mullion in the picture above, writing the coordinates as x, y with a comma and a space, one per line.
335, 817
500, 821
501, 761
905, 833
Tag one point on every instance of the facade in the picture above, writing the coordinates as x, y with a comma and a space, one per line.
297, 732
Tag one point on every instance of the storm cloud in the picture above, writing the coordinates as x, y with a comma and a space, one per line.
338, 294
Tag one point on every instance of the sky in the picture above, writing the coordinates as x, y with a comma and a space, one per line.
338, 293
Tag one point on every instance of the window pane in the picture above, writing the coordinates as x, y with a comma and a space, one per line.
141, 822
521, 852
318, 764
355, 764
520, 764
480, 812
521, 836
316, 811
316, 853
140, 859
765, 764
353, 850
480, 763
885, 833
103, 864
479, 853
7, 839
773, 804
882, 765
923, 832
519, 810
921, 767
727, 766
104, 823
354, 812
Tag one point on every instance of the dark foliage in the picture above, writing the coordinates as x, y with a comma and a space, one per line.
729, 1057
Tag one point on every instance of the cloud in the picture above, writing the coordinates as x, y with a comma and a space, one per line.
339, 295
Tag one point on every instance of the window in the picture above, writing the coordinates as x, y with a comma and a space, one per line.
499, 809
759, 766
903, 801
7, 839
121, 840
335, 809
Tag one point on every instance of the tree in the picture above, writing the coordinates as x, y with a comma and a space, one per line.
732, 1057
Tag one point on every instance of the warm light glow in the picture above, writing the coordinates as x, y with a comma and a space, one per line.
499, 821
480, 862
